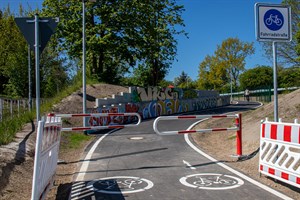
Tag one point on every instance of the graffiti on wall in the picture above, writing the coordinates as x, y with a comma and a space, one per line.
104, 121
154, 101
154, 94
154, 109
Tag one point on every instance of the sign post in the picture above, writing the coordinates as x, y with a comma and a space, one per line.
273, 23
37, 32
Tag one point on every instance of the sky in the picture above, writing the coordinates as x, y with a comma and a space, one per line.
208, 24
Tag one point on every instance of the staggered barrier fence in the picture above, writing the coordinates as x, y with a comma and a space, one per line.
237, 127
280, 151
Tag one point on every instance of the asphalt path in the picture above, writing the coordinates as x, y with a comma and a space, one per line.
135, 163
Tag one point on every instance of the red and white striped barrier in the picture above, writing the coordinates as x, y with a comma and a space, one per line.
99, 115
46, 156
237, 126
280, 151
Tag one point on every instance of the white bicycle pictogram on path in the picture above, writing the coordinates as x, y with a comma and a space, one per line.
120, 185
211, 181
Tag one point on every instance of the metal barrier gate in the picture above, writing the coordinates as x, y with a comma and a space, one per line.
237, 127
280, 151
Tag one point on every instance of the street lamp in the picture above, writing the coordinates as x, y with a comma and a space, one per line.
84, 60
83, 63
230, 88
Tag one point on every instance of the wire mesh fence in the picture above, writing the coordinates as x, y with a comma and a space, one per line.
10, 108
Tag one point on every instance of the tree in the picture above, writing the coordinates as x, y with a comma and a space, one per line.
288, 77
120, 33
183, 80
212, 75
228, 61
14, 61
231, 54
13, 57
258, 77
288, 52
158, 47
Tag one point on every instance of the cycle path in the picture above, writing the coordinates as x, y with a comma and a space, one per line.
135, 163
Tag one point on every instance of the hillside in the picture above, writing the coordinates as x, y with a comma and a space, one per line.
221, 145
16, 159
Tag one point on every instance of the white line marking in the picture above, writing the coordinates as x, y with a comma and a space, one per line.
85, 164
272, 191
188, 164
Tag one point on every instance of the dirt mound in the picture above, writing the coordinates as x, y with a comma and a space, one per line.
221, 145
73, 103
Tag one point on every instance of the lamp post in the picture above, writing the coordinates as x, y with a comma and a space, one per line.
83, 63
84, 60
230, 88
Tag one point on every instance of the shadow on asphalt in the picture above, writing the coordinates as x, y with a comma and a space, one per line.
115, 156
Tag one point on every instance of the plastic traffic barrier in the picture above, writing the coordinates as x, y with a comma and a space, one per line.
46, 156
280, 151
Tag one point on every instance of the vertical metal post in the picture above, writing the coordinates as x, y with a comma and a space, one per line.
83, 63
11, 108
1, 110
275, 82
37, 65
18, 107
230, 87
238, 122
29, 81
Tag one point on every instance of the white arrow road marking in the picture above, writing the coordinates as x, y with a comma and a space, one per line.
188, 164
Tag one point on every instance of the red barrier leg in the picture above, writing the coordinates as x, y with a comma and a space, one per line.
239, 135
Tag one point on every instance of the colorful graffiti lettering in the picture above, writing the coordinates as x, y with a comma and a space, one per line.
155, 93
104, 121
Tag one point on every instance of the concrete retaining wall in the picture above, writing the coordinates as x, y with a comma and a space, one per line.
153, 102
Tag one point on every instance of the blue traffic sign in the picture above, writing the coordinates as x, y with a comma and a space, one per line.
273, 19
273, 22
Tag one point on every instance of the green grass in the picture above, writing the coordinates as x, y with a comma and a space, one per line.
10, 126
73, 140
231, 137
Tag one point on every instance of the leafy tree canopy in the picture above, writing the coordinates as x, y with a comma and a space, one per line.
228, 61
14, 71
258, 77
120, 35
183, 80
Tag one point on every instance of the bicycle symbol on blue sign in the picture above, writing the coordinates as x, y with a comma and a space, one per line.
273, 19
